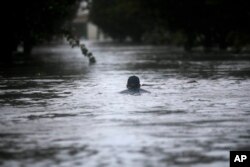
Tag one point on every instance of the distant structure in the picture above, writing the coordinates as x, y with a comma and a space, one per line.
83, 28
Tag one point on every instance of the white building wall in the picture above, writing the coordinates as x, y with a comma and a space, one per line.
92, 31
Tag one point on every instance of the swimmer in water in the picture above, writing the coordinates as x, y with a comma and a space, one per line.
134, 86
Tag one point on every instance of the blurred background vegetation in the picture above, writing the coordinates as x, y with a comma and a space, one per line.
29, 23
208, 23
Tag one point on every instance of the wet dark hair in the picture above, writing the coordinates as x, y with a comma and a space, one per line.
133, 82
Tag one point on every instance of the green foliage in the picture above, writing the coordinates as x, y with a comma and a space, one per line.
210, 23
32, 22
119, 19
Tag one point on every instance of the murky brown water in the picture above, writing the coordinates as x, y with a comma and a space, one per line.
66, 112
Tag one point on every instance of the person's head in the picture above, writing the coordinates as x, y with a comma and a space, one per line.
133, 82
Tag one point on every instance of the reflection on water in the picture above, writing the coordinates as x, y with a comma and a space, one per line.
65, 112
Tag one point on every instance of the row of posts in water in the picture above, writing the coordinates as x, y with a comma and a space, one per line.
76, 43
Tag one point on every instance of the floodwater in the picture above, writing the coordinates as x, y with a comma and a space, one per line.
65, 112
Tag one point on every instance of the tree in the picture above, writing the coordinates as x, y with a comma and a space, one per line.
119, 19
210, 23
32, 22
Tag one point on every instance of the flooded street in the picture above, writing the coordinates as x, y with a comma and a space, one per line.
66, 112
